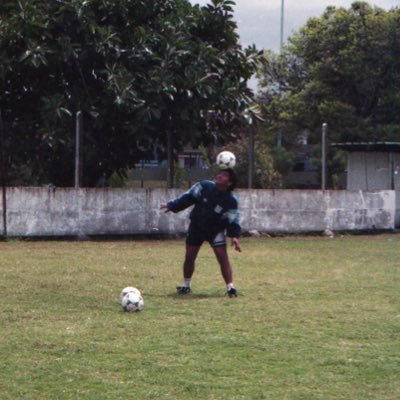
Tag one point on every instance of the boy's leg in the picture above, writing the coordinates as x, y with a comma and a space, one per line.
221, 253
188, 268
226, 269
190, 258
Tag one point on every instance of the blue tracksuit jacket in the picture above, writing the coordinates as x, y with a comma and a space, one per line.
214, 210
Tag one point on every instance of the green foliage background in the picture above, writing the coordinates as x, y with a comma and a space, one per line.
343, 69
138, 70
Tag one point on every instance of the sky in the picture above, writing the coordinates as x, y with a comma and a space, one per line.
259, 20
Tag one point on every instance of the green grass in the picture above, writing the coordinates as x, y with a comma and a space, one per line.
316, 319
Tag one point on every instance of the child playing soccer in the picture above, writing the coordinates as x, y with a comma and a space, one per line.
215, 213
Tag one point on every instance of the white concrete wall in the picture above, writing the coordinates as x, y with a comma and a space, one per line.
66, 211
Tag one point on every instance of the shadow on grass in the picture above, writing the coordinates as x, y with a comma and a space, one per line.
189, 296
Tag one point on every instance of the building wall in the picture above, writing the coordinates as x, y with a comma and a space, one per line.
104, 211
375, 171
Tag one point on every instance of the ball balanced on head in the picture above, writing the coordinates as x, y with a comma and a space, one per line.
226, 159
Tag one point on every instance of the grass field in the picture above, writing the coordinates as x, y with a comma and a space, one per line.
317, 318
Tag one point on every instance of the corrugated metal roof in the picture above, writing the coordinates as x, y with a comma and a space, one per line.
368, 146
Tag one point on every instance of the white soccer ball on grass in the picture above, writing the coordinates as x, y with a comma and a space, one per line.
131, 299
225, 160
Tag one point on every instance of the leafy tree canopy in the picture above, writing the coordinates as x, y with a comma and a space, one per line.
342, 68
137, 69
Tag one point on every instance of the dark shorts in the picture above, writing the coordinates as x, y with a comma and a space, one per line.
196, 237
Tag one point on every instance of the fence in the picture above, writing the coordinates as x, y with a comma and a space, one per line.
39, 212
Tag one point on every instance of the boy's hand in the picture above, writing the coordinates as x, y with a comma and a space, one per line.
236, 244
164, 206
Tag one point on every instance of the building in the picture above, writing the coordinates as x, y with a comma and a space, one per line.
373, 166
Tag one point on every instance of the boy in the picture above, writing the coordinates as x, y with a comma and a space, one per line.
215, 211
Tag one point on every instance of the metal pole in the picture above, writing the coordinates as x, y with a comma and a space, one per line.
141, 174
324, 154
392, 171
251, 158
189, 175
3, 176
170, 161
282, 23
78, 129
279, 137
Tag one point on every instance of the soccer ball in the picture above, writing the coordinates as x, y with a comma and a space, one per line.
226, 159
128, 289
132, 302
131, 299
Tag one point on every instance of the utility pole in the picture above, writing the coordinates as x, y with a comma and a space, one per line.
251, 158
279, 135
324, 152
170, 161
3, 175
282, 24
78, 135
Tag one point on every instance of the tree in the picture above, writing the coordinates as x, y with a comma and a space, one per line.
342, 68
140, 71
265, 174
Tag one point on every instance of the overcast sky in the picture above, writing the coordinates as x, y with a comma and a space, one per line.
259, 20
